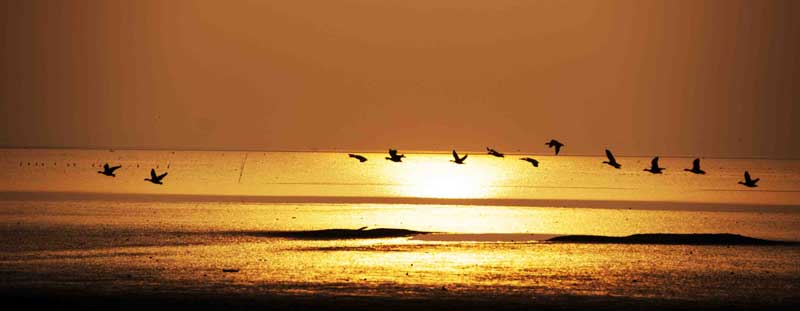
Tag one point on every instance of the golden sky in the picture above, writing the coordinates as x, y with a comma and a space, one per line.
642, 77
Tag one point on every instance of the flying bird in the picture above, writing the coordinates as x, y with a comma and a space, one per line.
394, 157
695, 167
654, 167
359, 157
611, 161
155, 179
749, 182
458, 160
532, 161
554, 143
109, 171
494, 152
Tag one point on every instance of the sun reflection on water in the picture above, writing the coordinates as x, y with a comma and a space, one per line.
432, 176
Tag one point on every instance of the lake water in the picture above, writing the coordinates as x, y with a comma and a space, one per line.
66, 227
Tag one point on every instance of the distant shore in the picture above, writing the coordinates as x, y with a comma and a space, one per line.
516, 152
649, 238
602, 204
670, 239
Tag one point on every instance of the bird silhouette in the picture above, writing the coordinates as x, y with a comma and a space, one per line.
532, 161
109, 171
749, 182
695, 167
611, 161
394, 157
360, 158
554, 143
494, 152
155, 179
654, 167
458, 160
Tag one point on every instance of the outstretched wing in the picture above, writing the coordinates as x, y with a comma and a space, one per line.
654, 162
455, 155
105, 166
747, 177
696, 164
610, 156
153, 174
558, 148
359, 157
112, 169
161, 176
465, 157
392, 153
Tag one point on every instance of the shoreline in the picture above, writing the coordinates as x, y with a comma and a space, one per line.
725, 239
267, 199
380, 151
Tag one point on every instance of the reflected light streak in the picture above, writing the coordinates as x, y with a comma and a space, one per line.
432, 176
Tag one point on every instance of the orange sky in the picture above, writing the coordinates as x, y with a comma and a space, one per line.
704, 78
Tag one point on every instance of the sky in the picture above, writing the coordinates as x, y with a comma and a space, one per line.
641, 77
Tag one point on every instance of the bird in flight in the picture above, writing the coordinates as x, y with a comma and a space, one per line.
695, 167
458, 160
749, 182
109, 171
654, 167
554, 143
394, 157
155, 179
532, 161
494, 152
359, 157
611, 161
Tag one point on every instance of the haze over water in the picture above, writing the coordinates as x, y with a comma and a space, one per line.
63, 222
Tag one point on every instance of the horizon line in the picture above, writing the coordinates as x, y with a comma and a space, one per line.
416, 151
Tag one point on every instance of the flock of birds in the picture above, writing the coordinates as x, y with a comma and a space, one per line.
395, 157
555, 144
156, 179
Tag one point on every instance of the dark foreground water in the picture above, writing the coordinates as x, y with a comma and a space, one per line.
109, 252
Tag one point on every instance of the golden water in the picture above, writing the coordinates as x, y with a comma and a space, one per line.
210, 215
